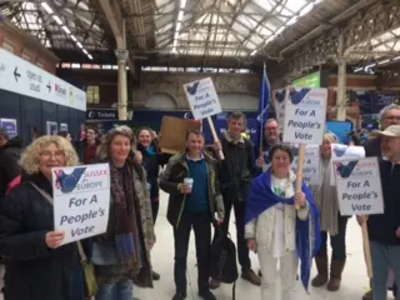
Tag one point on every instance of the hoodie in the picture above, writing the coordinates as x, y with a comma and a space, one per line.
10, 154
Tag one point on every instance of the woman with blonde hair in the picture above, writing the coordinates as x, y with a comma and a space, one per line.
123, 252
37, 267
332, 222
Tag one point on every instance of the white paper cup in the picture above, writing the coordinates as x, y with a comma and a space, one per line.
188, 181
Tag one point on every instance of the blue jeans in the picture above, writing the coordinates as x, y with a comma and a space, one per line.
121, 290
384, 258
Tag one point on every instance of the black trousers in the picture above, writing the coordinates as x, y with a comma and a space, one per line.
239, 210
155, 205
338, 242
201, 224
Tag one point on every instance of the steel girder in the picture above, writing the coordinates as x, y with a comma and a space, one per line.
366, 25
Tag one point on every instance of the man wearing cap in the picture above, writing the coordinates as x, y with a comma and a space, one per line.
10, 152
384, 229
389, 115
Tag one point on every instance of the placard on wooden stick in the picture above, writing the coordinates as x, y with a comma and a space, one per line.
204, 103
304, 121
359, 192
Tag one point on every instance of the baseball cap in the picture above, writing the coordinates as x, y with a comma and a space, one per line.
391, 131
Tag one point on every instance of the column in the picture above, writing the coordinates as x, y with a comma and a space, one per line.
341, 90
122, 56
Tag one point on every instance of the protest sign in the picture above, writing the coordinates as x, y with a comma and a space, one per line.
359, 188
279, 97
203, 98
81, 200
311, 168
344, 152
305, 114
204, 103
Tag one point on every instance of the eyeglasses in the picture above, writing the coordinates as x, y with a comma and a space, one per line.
393, 118
48, 154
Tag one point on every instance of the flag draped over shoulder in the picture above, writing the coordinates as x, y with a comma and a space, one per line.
262, 198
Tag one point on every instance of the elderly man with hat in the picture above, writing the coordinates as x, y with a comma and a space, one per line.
384, 229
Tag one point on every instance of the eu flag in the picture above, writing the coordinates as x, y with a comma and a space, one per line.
263, 107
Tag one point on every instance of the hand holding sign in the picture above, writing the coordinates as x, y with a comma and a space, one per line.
300, 199
54, 239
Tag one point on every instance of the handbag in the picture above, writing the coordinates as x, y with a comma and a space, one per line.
88, 269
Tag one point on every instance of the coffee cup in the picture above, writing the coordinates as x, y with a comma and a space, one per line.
189, 182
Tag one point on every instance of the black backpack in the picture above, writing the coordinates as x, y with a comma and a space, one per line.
223, 259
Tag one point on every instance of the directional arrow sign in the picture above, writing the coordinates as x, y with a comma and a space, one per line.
49, 87
16, 74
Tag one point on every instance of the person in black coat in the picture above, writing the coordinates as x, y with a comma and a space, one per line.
10, 152
152, 161
37, 267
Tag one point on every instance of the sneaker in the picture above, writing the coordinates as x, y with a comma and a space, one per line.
179, 296
251, 277
207, 295
155, 276
214, 284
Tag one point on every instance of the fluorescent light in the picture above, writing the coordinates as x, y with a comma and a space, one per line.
175, 43
176, 36
183, 4
47, 8
178, 26
90, 57
358, 70
79, 45
396, 58
66, 29
306, 9
173, 50
253, 53
180, 16
282, 28
73, 38
370, 66
57, 19
384, 62
291, 21
85, 51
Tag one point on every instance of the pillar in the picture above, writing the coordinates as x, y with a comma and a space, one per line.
122, 56
341, 88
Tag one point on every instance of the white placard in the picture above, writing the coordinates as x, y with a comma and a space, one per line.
81, 200
279, 104
203, 98
311, 170
305, 114
21, 77
344, 152
359, 186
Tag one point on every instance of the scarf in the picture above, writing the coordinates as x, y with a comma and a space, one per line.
262, 198
126, 230
326, 199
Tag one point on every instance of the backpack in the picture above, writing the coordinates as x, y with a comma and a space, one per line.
223, 259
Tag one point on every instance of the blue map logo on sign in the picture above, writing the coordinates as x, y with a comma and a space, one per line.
296, 96
192, 90
67, 182
339, 151
345, 171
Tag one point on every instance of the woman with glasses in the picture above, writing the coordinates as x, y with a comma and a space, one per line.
37, 266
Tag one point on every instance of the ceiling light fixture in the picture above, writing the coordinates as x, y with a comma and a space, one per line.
66, 29
47, 8
183, 4
58, 20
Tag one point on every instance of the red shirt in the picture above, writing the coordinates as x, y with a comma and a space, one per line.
90, 153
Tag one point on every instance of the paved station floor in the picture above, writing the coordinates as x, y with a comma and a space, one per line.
354, 284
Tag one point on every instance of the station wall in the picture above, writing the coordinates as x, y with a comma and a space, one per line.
30, 112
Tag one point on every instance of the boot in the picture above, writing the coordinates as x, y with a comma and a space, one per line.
322, 268
368, 296
337, 267
251, 277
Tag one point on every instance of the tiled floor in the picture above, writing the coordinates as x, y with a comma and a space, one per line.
354, 283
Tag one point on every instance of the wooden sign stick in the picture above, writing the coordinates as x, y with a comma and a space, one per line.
367, 249
300, 167
215, 136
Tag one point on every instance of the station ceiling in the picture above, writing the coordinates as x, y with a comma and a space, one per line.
209, 33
